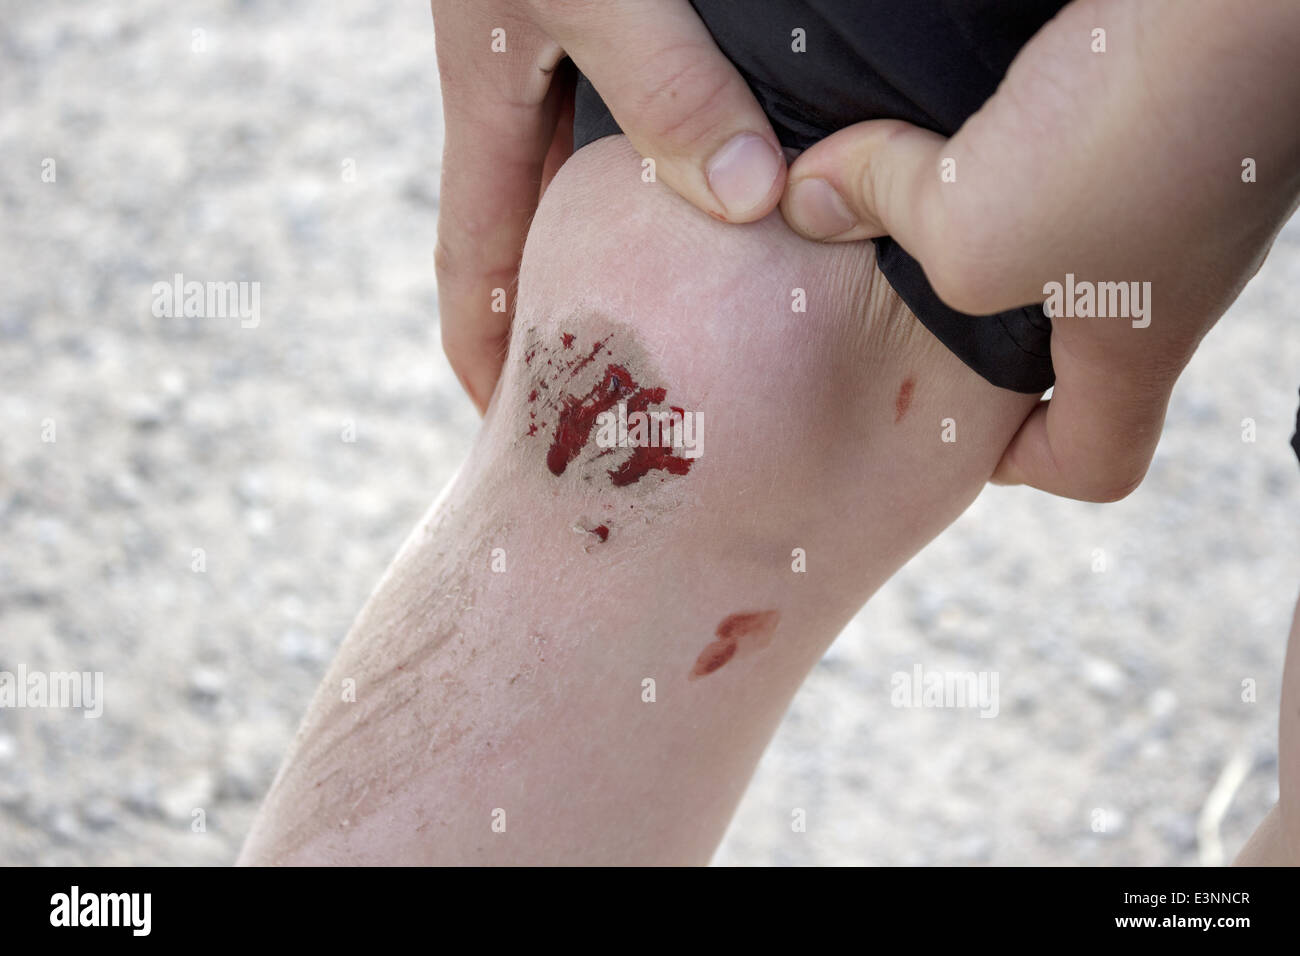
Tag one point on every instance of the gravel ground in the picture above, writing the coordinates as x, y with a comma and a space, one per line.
1121, 635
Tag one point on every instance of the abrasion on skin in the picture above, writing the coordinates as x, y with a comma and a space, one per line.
571, 385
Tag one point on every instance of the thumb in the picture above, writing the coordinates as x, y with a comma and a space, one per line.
1094, 439
871, 179
680, 102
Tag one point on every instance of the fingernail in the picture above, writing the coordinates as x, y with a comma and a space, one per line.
818, 210
742, 172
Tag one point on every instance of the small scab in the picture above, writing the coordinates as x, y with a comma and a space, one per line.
735, 626
714, 656
754, 628
584, 526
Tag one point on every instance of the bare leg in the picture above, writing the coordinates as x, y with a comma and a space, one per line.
1277, 840
523, 696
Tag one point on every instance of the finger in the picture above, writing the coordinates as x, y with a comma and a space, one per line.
500, 112
1093, 441
679, 100
871, 179
561, 147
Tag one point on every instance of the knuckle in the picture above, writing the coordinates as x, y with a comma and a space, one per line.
966, 262
963, 281
952, 231
678, 92
1115, 483
519, 81
473, 246
448, 263
1116, 487
467, 285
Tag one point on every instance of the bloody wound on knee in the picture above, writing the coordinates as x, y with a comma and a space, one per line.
578, 415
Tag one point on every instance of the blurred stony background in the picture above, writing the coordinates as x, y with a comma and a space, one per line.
212, 139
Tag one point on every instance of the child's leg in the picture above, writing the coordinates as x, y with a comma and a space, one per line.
580, 653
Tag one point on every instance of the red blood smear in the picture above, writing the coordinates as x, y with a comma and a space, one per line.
532, 429
735, 626
904, 400
601, 531
586, 360
645, 459
567, 339
532, 396
713, 657
578, 414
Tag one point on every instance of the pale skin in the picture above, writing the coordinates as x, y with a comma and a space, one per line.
518, 695
523, 691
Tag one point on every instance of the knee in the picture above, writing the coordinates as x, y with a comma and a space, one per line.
804, 375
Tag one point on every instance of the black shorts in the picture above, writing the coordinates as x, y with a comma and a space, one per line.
930, 62
1295, 438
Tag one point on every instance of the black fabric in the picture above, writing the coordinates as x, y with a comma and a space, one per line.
929, 62
1295, 439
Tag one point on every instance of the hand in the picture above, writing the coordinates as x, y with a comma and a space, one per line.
678, 99
1129, 165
